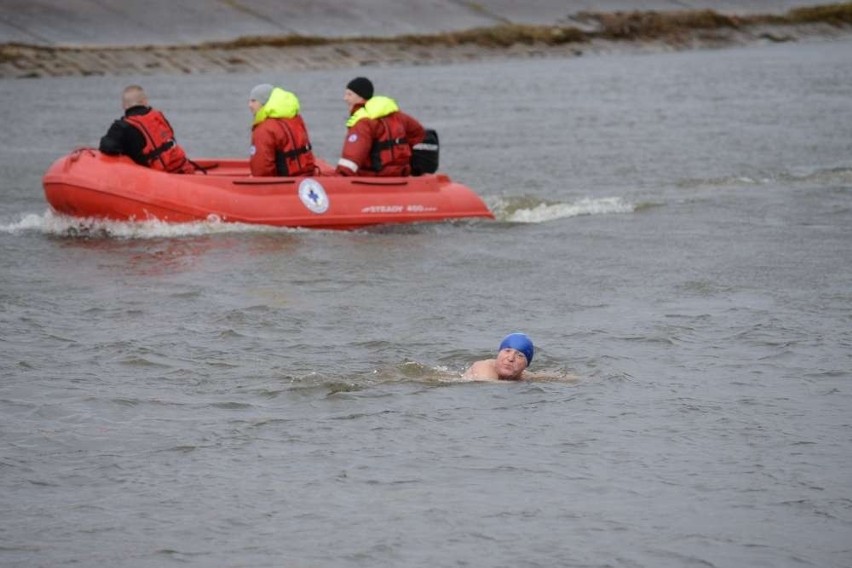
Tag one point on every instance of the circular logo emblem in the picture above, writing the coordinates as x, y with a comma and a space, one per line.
312, 194
251, 150
352, 137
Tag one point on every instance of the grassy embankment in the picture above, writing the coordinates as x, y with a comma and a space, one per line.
678, 29
669, 27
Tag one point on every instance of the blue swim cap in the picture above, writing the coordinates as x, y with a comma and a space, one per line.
520, 342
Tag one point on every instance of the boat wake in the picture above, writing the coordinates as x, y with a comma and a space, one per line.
57, 225
527, 210
506, 209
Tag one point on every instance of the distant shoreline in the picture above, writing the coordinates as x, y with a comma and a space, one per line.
620, 32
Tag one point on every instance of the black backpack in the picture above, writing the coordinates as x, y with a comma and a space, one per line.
424, 156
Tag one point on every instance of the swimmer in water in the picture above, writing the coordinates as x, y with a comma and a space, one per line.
513, 357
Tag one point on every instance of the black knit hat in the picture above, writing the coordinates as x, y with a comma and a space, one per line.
362, 87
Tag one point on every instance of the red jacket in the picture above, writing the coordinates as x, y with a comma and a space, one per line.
379, 145
281, 147
161, 151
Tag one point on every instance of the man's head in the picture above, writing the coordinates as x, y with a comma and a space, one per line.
259, 95
358, 90
514, 355
133, 95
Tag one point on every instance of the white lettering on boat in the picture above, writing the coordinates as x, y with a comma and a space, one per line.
420, 209
383, 209
414, 208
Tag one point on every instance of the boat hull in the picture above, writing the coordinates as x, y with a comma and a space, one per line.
89, 184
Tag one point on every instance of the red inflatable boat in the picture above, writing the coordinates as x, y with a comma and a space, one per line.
89, 184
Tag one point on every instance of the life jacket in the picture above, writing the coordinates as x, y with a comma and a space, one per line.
294, 156
390, 147
161, 152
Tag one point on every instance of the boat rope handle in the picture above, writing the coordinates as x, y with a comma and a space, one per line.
77, 152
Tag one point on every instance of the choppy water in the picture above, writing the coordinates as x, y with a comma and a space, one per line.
674, 232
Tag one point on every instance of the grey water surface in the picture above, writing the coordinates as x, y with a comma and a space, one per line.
674, 231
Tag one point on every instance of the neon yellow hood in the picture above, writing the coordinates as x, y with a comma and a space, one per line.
281, 104
377, 107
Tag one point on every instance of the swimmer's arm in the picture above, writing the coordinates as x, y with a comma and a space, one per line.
481, 370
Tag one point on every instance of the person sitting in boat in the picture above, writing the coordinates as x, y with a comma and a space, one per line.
280, 145
513, 357
144, 134
380, 137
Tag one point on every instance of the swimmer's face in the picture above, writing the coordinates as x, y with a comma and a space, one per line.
510, 364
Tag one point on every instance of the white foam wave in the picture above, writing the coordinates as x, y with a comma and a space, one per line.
54, 224
51, 223
548, 212
28, 222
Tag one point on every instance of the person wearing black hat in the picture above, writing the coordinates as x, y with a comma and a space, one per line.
360, 86
145, 136
379, 136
